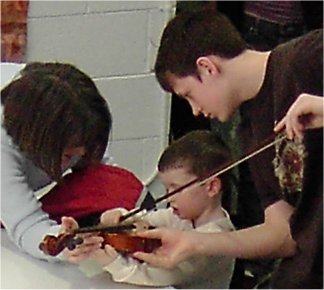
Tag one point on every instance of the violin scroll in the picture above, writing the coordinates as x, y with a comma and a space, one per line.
53, 246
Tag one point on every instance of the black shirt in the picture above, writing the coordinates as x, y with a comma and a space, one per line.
293, 68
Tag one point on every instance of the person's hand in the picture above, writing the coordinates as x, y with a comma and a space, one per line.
176, 246
68, 224
82, 251
110, 217
104, 256
305, 113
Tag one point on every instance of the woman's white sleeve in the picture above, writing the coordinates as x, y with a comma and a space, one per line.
21, 214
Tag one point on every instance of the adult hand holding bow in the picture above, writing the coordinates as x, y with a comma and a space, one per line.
305, 113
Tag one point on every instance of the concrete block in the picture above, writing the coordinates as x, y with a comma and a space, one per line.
139, 156
102, 45
128, 154
56, 8
156, 23
139, 107
104, 6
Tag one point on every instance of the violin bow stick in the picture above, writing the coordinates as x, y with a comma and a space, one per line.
269, 142
147, 204
106, 229
260, 149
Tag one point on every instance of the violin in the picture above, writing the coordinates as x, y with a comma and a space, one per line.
122, 238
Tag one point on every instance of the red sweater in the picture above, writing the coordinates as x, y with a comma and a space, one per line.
92, 190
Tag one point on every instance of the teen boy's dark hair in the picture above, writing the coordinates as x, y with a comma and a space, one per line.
201, 152
191, 35
52, 106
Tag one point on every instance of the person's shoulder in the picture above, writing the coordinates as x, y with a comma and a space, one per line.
312, 39
299, 54
218, 225
302, 45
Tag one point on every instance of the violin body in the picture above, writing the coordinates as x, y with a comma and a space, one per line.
128, 243
125, 243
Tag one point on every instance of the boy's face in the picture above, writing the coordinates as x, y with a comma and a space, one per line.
190, 203
209, 96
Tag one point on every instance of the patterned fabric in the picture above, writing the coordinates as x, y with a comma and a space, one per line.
13, 30
289, 167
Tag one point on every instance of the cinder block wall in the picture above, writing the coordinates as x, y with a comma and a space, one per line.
115, 42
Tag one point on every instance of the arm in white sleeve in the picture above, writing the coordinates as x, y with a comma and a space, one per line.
129, 270
21, 214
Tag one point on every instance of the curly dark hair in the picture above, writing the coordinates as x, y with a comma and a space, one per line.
52, 106
191, 35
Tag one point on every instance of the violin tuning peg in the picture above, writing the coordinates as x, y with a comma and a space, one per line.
78, 241
72, 243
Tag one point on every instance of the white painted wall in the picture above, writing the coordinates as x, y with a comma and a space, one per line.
115, 42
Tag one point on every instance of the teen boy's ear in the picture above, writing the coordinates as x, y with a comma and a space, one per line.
207, 66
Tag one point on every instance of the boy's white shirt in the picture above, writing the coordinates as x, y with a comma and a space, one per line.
197, 272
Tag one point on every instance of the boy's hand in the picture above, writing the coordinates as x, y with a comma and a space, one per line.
105, 256
110, 217
68, 224
82, 251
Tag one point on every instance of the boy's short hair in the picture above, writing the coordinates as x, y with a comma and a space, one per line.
200, 152
191, 35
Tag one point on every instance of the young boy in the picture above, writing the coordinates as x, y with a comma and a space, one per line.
197, 208
203, 59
